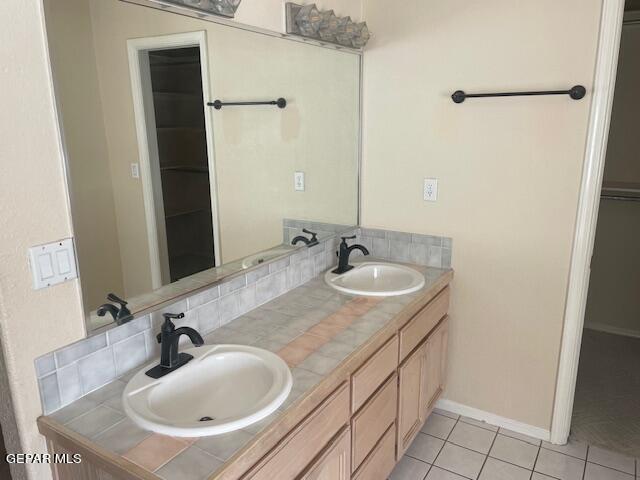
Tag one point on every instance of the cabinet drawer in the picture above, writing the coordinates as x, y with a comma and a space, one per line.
370, 376
381, 461
373, 420
298, 449
419, 326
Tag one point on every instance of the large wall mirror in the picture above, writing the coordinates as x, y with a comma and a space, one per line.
169, 193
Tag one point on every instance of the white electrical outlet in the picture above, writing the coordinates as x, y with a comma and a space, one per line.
135, 170
298, 181
430, 189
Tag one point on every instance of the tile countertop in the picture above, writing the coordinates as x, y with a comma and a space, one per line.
313, 328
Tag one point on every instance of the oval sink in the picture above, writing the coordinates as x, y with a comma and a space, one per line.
262, 257
224, 388
377, 279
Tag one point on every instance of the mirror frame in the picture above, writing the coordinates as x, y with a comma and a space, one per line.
91, 329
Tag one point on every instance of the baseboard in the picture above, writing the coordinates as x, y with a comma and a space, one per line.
603, 327
493, 419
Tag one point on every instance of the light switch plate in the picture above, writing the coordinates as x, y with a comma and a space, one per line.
298, 181
430, 190
53, 263
135, 170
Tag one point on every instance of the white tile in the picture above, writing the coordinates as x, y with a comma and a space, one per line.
438, 426
525, 438
598, 472
479, 423
611, 459
498, 470
472, 437
559, 465
95, 421
514, 451
540, 476
460, 460
409, 469
425, 448
439, 474
572, 447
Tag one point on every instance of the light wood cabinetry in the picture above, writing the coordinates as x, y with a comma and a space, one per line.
301, 446
335, 462
356, 424
421, 382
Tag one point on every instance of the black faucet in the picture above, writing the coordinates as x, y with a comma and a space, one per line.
309, 242
344, 252
168, 338
120, 315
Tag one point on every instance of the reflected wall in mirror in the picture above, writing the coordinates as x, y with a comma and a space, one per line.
164, 187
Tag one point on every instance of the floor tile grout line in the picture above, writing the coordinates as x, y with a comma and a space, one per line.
445, 440
535, 462
487, 455
612, 468
586, 460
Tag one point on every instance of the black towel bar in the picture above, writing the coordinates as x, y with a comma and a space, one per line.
218, 104
576, 93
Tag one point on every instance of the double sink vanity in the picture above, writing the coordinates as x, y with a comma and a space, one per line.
340, 395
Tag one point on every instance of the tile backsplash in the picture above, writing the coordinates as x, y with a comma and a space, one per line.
82, 367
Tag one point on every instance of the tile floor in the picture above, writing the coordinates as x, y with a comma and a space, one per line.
606, 409
451, 447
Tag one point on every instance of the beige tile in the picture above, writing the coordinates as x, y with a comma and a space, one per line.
300, 348
598, 472
479, 423
438, 426
540, 476
525, 438
460, 460
611, 459
472, 437
558, 465
319, 364
192, 464
498, 470
572, 447
425, 448
437, 473
409, 469
154, 451
326, 330
514, 451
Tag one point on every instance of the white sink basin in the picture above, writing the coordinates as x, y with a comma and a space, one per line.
262, 257
376, 279
224, 388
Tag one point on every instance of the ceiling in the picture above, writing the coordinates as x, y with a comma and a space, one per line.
632, 5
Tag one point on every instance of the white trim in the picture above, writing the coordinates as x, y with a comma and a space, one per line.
603, 327
135, 47
493, 419
587, 214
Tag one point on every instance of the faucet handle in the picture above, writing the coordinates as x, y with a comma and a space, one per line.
353, 237
314, 235
112, 297
172, 316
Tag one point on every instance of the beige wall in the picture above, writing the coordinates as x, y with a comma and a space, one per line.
34, 210
78, 94
256, 150
509, 172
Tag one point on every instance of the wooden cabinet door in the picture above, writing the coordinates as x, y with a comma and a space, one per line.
335, 462
434, 372
410, 396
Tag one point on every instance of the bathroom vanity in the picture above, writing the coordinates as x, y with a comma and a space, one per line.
367, 373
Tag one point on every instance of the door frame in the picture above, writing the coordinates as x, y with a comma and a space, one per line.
587, 216
137, 49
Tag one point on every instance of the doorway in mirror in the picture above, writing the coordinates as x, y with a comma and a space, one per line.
182, 164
